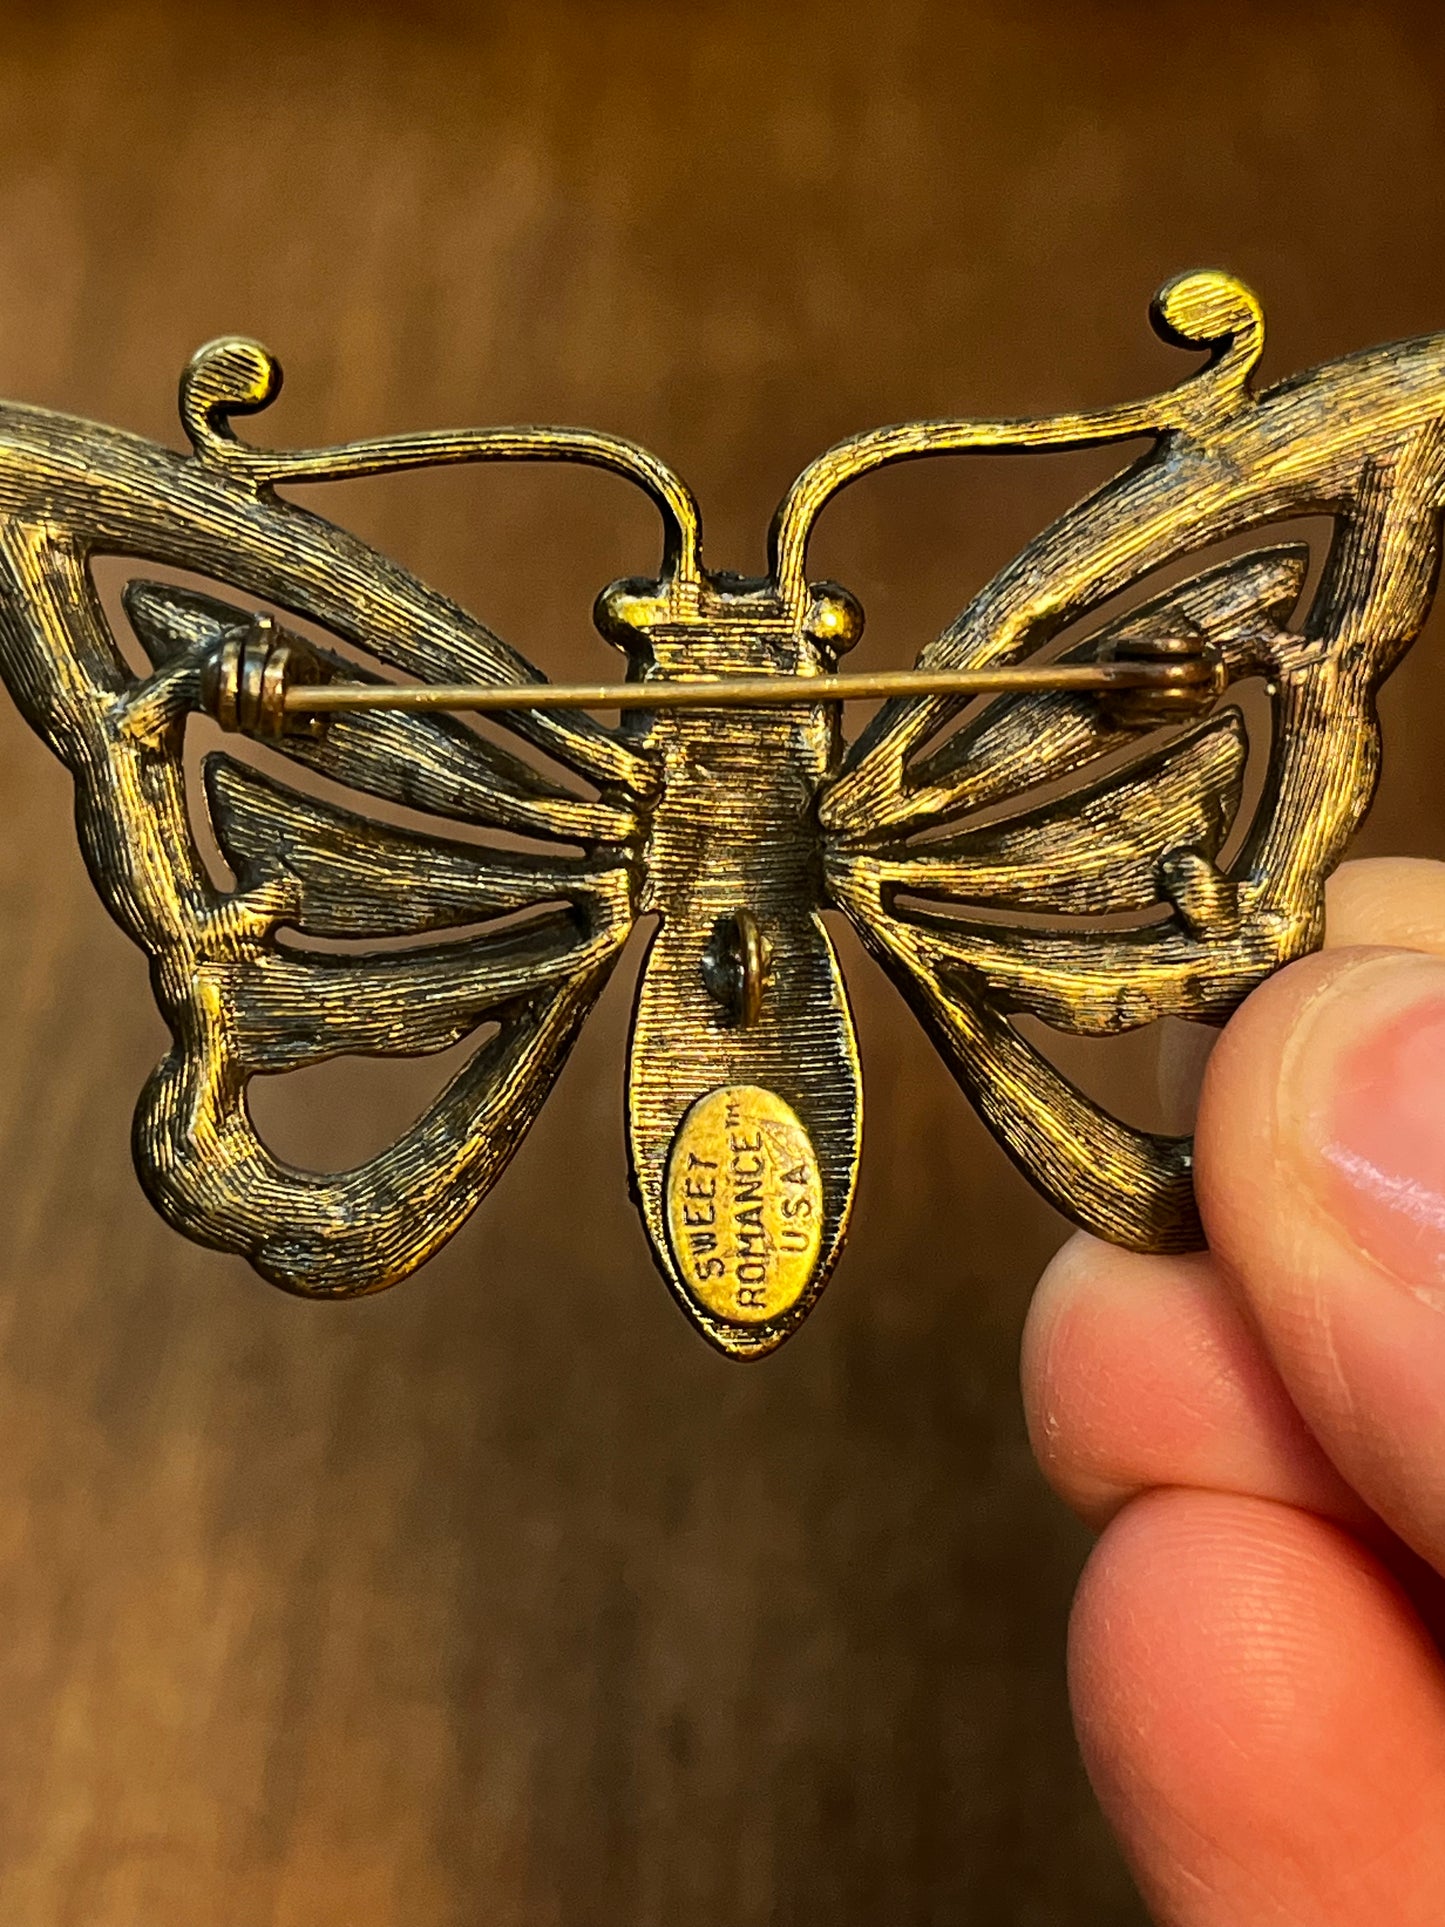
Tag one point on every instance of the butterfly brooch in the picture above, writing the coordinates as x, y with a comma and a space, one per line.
1049, 817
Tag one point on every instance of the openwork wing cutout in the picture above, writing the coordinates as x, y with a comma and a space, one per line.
239, 1002
1359, 442
1143, 834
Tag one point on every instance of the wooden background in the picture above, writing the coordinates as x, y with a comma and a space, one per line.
501, 1599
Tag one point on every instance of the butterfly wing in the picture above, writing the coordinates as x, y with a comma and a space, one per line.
242, 974
1043, 860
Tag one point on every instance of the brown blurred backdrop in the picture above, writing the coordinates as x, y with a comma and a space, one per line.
500, 1599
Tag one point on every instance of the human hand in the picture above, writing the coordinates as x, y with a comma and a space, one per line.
1255, 1649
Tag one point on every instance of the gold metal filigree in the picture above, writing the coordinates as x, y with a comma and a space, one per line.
1071, 847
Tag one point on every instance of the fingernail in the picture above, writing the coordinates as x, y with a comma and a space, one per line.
1364, 1105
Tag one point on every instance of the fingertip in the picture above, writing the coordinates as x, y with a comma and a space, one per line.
1320, 1171
1142, 1371
1056, 1361
1262, 1715
1099, 1344
1382, 903
1238, 1178
1394, 900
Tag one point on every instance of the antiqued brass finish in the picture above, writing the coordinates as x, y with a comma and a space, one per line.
744, 1205
1045, 820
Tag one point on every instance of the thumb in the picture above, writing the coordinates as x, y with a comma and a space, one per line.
1321, 1177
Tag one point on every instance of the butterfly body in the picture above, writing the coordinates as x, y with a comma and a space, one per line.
392, 881
734, 834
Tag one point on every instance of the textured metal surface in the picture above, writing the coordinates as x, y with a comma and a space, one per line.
751, 820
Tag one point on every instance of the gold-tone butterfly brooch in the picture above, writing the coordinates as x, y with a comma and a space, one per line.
1048, 817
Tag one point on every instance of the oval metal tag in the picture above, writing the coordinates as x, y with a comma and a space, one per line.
744, 1204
